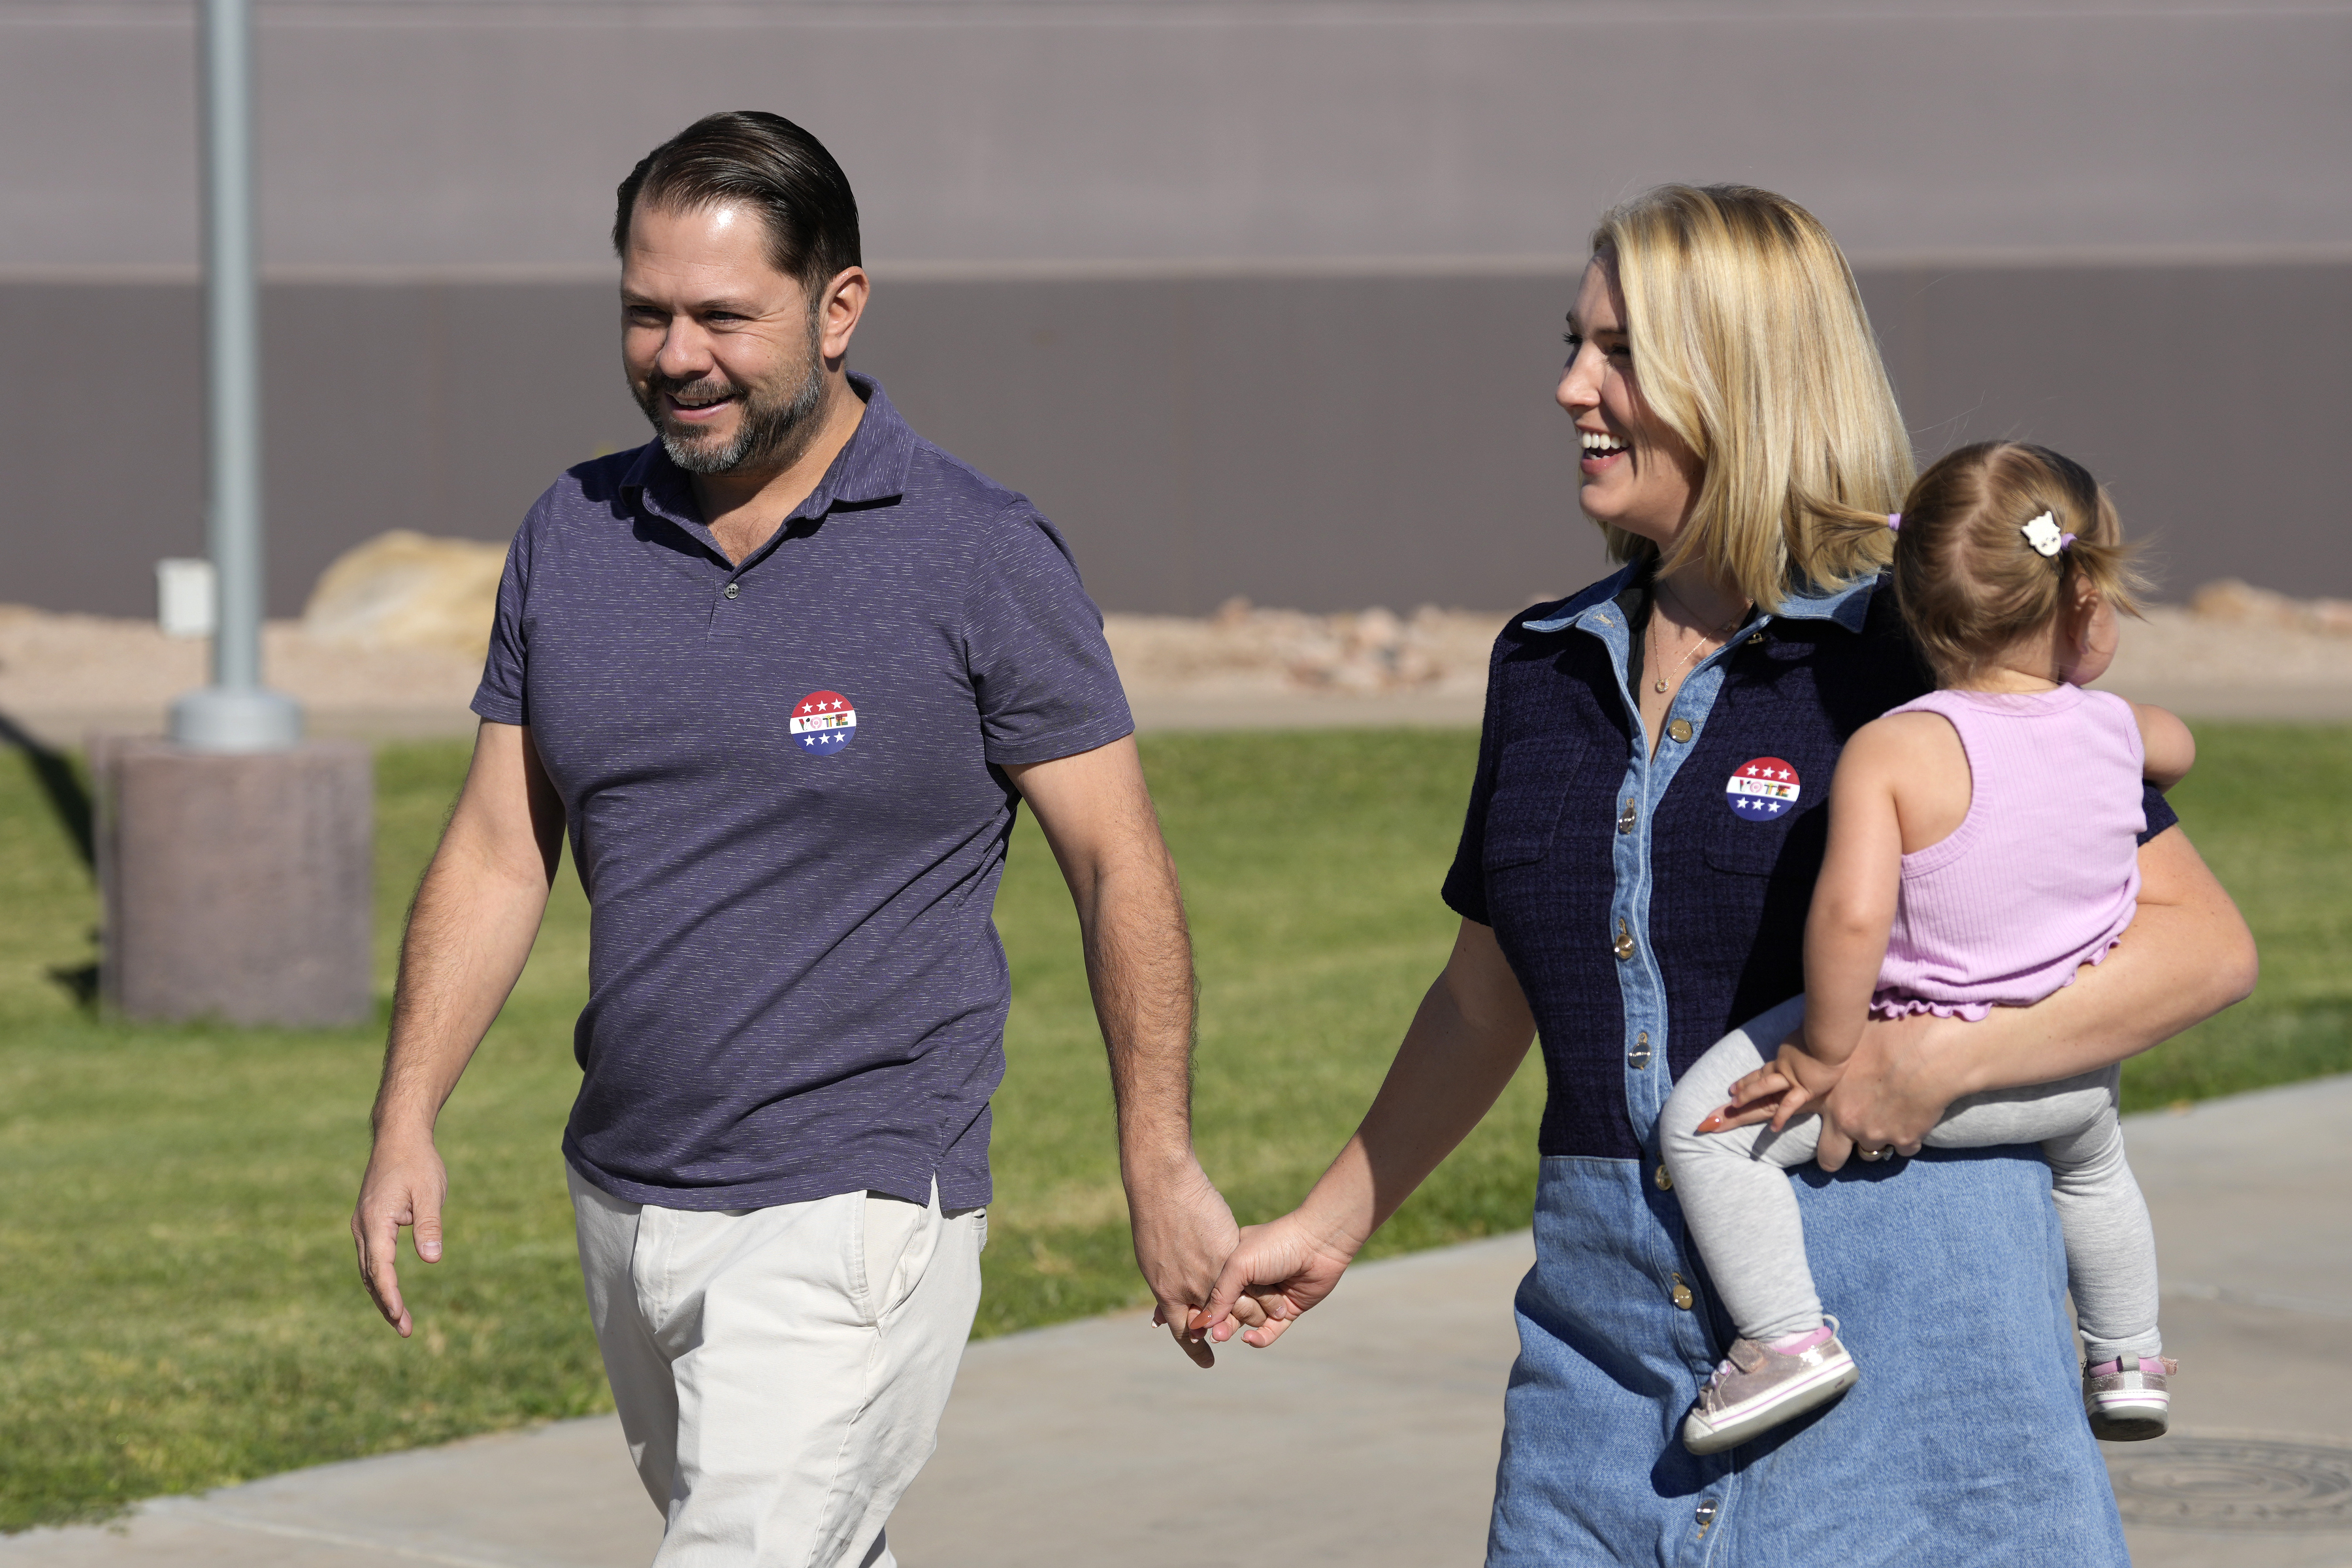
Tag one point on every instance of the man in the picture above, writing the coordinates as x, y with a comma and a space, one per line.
784, 674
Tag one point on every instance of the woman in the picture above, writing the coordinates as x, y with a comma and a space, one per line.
1626, 897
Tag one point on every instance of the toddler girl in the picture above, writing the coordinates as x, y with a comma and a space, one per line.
1982, 846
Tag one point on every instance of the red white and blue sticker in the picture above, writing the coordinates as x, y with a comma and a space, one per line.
1762, 789
824, 722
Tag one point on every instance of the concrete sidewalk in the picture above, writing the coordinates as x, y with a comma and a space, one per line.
1370, 1439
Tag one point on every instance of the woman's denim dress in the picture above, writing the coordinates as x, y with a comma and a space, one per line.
1648, 904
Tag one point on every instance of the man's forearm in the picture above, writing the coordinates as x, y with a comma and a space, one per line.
468, 937
1140, 968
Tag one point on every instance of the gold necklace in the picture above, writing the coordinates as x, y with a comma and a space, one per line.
1719, 635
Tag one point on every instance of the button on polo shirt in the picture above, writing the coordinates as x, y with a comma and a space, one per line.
783, 779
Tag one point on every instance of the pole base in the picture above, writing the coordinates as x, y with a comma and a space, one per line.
238, 886
233, 719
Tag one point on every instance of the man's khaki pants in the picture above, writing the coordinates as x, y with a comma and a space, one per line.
779, 1371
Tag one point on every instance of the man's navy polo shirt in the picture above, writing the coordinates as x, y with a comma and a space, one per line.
783, 790
1645, 905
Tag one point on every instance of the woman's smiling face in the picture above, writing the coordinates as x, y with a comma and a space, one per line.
1638, 475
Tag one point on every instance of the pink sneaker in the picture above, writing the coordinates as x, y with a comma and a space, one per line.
1757, 1387
2128, 1400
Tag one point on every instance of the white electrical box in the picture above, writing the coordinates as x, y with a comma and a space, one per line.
187, 599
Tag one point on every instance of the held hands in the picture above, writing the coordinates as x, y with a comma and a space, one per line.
1280, 1270
406, 1184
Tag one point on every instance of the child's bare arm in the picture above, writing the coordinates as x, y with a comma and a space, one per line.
1846, 932
2171, 749
1854, 899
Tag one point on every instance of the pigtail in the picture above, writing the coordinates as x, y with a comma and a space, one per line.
2098, 553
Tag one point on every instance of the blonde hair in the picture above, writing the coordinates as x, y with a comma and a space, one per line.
1751, 343
1970, 583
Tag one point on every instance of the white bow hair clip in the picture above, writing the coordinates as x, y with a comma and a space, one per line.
2043, 535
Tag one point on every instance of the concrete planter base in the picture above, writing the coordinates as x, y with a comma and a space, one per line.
238, 886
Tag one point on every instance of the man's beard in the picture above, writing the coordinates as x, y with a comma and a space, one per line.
774, 428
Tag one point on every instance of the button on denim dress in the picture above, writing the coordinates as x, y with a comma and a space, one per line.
1648, 905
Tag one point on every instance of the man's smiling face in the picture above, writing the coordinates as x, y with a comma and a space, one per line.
720, 347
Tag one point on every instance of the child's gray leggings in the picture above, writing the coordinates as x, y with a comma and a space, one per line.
1736, 1198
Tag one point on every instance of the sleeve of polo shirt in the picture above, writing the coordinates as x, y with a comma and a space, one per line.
2160, 815
1040, 668
502, 697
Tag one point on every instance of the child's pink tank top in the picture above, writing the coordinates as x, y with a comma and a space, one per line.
2042, 874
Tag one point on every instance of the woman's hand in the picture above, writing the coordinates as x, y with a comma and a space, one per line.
1280, 1270
1889, 1093
1472, 1032
1895, 1089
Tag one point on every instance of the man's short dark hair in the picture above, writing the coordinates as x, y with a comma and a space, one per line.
763, 161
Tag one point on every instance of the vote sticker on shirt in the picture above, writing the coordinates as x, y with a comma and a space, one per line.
1762, 789
824, 722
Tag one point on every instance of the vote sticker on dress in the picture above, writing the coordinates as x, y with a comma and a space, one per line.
1762, 789
824, 721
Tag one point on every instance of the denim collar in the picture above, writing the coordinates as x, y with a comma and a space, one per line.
1849, 606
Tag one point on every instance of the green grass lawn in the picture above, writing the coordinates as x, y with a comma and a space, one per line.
178, 1307
2266, 805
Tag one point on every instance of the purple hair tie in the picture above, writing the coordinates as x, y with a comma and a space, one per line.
1895, 520
2065, 540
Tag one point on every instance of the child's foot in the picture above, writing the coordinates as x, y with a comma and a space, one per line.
1760, 1386
2127, 1399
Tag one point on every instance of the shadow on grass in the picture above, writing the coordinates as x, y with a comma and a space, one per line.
77, 981
69, 801
63, 786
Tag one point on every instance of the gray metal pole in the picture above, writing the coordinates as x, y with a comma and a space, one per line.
236, 713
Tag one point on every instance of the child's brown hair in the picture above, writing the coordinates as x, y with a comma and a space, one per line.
1969, 576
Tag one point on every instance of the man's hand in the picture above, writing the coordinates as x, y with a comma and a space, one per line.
468, 934
406, 1184
1184, 1231
1279, 1271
